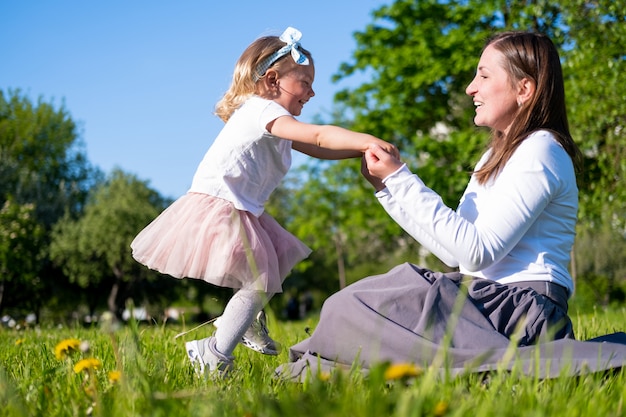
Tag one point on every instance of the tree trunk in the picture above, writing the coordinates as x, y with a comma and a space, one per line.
341, 266
112, 299
1, 296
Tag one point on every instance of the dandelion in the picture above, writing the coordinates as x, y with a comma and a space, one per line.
19, 342
114, 376
90, 390
87, 364
324, 376
402, 371
440, 408
65, 347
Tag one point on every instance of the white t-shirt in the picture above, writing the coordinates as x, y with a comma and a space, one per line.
518, 227
246, 163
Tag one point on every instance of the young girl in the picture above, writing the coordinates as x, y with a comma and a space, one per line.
219, 231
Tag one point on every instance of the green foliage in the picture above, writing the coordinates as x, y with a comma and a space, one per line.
599, 264
21, 249
155, 379
45, 172
42, 160
594, 62
19, 240
418, 65
95, 248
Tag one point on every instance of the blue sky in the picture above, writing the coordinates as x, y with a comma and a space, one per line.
141, 77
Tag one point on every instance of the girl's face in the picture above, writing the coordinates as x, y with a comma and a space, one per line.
494, 96
296, 88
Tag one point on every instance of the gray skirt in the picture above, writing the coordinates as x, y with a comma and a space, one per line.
410, 314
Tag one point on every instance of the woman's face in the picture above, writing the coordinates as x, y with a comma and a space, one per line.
493, 93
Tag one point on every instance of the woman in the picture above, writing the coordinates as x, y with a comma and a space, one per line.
511, 237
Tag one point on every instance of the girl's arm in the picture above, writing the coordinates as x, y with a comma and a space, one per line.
323, 153
329, 137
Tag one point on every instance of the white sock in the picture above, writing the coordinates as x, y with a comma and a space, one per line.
238, 315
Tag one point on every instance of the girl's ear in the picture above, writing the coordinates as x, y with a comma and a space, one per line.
526, 89
271, 78
269, 87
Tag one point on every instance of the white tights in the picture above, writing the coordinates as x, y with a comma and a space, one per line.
238, 315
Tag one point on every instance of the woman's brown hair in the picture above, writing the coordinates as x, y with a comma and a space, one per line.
532, 56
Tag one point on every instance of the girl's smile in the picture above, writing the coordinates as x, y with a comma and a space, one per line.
296, 88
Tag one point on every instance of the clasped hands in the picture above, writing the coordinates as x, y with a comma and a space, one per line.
377, 164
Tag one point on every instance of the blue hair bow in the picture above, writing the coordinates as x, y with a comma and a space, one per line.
291, 37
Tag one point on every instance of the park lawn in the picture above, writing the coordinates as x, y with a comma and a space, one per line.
142, 370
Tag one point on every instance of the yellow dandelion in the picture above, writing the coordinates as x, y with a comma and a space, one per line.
19, 342
86, 364
324, 376
90, 390
114, 376
440, 408
65, 347
402, 371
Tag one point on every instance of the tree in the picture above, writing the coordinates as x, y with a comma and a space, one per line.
420, 56
94, 250
42, 160
21, 252
44, 173
594, 62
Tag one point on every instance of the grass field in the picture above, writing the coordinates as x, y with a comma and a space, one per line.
143, 371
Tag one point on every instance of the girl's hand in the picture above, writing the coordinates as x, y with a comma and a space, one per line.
379, 164
387, 147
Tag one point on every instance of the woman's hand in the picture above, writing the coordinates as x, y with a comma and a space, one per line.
375, 181
377, 164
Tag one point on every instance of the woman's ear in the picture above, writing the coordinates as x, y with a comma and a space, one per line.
526, 90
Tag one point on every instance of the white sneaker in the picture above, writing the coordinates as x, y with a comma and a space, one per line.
204, 356
257, 336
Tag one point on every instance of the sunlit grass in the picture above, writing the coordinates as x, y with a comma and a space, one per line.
143, 371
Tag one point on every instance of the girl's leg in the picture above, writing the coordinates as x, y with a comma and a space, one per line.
257, 336
213, 355
240, 312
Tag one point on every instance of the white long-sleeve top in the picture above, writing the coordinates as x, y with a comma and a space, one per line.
519, 226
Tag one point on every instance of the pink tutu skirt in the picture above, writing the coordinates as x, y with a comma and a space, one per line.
204, 237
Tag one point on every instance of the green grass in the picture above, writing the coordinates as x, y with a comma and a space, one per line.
156, 380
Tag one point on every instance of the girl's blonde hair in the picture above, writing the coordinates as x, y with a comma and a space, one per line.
246, 79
